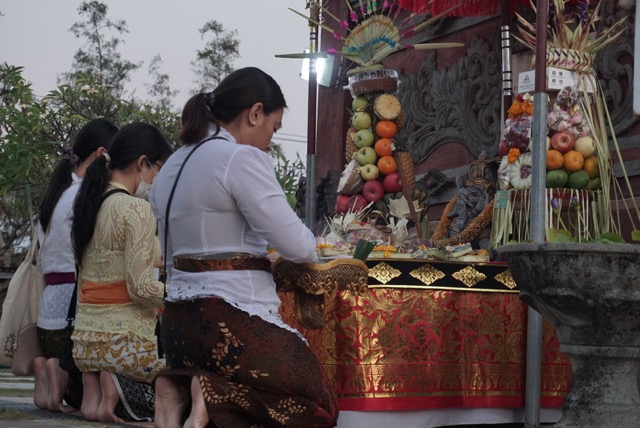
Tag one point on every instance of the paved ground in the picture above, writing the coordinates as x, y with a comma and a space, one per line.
17, 408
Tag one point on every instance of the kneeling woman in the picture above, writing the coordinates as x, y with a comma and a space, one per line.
118, 297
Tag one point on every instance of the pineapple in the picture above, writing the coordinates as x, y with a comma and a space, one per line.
350, 146
403, 157
387, 107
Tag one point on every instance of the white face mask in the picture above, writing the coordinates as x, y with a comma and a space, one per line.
143, 189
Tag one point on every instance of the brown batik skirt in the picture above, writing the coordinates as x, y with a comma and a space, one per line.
252, 373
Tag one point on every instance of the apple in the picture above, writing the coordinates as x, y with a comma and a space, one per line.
361, 120
562, 141
366, 155
373, 191
357, 202
586, 146
392, 183
369, 172
363, 138
360, 103
342, 203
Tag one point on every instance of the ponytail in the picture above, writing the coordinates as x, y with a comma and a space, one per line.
87, 204
196, 119
59, 182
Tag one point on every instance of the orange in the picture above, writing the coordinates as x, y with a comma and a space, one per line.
383, 147
573, 161
386, 128
387, 165
555, 160
591, 166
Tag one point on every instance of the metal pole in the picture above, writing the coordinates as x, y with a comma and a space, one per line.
310, 189
505, 37
539, 148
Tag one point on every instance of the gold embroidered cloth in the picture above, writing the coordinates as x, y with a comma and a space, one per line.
410, 348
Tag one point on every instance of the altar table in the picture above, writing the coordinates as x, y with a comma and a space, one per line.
433, 336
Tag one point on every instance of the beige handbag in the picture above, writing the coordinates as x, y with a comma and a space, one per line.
20, 314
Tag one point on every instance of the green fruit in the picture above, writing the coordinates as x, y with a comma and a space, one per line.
556, 178
361, 120
578, 179
359, 103
594, 184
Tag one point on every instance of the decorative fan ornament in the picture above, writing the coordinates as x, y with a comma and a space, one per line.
372, 32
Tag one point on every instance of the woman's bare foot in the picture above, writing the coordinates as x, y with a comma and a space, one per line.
91, 397
58, 384
110, 397
172, 398
41, 383
198, 417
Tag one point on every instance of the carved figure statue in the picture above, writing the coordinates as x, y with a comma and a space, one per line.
468, 215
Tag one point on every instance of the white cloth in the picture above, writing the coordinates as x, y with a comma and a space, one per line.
228, 200
56, 255
441, 417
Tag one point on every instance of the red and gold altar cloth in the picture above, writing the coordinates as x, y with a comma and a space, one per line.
406, 347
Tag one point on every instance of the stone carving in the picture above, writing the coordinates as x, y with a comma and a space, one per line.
461, 104
614, 66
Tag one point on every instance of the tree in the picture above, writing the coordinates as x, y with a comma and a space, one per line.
100, 57
215, 61
33, 133
159, 89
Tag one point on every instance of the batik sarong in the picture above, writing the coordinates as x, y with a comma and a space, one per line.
252, 372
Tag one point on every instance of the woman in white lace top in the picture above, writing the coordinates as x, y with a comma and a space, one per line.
232, 361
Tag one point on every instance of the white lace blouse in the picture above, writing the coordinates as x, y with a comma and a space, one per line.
228, 200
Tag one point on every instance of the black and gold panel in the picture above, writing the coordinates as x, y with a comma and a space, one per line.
440, 275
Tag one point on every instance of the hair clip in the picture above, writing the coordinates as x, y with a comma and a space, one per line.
209, 98
68, 154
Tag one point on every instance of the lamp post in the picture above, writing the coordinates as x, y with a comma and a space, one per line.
310, 184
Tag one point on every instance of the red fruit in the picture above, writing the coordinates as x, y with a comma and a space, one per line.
563, 141
392, 183
373, 190
357, 202
342, 203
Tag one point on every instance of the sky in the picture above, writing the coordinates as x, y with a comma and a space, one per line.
35, 34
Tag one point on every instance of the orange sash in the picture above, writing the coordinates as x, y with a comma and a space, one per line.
104, 293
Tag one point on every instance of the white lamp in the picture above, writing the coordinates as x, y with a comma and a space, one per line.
324, 69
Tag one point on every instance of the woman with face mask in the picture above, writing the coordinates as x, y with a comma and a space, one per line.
116, 249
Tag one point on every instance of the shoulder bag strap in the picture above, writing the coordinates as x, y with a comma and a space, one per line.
71, 312
163, 274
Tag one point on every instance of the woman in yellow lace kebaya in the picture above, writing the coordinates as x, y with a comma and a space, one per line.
119, 298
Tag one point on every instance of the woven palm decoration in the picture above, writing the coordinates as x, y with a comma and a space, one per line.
374, 31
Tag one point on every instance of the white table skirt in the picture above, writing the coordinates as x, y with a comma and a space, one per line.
440, 417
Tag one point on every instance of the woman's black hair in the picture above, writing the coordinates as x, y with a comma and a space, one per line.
238, 91
94, 134
132, 141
